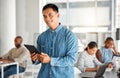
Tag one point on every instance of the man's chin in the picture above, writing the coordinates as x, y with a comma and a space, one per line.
50, 25
17, 46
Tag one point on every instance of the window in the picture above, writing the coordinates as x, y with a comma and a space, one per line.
88, 19
118, 13
85, 15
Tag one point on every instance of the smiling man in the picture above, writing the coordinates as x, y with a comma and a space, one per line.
58, 45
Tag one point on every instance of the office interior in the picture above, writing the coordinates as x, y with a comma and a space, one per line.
90, 20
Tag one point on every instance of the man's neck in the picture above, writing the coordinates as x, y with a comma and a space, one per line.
54, 27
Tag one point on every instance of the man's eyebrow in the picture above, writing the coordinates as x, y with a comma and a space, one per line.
43, 15
50, 13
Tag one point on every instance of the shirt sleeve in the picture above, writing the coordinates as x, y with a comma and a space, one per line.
97, 63
81, 64
71, 53
6, 56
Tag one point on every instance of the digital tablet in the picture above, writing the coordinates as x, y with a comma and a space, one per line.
31, 48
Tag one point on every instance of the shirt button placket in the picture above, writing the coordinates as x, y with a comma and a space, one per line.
52, 41
50, 74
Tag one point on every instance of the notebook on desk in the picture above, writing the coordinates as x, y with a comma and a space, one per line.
98, 74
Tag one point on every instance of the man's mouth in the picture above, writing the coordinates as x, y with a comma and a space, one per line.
48, 22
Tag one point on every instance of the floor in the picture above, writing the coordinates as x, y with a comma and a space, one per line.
32, 71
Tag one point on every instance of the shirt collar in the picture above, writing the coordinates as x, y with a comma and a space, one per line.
57, 29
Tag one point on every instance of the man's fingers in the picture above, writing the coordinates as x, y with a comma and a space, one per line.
34, 57
32, 54
44, 54
41, 56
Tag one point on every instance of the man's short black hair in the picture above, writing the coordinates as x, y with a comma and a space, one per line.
50, 5
18, 37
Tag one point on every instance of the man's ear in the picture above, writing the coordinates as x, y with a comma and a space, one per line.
58, 14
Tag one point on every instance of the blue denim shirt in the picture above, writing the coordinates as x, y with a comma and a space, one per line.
62, 46
106, 54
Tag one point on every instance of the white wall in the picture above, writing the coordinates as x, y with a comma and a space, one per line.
18, 17
27, 19
7, 25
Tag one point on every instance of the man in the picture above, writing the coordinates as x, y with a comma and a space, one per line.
18, 54
58, 45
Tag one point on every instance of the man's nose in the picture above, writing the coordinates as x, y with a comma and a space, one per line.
47, 18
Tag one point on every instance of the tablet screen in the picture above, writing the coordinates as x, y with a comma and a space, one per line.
31, 48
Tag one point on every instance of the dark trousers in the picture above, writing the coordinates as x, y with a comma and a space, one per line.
11, 70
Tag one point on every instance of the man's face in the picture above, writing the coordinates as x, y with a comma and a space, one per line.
18, 42
109, 44
51, 17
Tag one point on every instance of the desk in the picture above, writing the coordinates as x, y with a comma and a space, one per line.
110, 74
9, 64
106, 75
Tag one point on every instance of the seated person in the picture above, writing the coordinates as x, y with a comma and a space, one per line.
88, 61
106, 53
18, 54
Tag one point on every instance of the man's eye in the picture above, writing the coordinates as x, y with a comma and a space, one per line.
44, 16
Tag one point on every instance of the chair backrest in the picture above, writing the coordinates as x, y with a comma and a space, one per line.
32, 70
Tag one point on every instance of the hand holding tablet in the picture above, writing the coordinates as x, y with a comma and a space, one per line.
33, 51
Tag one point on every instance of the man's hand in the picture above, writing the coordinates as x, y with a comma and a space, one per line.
34, 56
115, 49
7, 60
97, 67
44, 58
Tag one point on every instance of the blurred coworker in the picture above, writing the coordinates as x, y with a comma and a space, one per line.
87, 60
106, 53
18, 54
58, 45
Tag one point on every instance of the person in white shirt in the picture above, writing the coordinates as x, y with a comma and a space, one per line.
18, 54
88, 61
